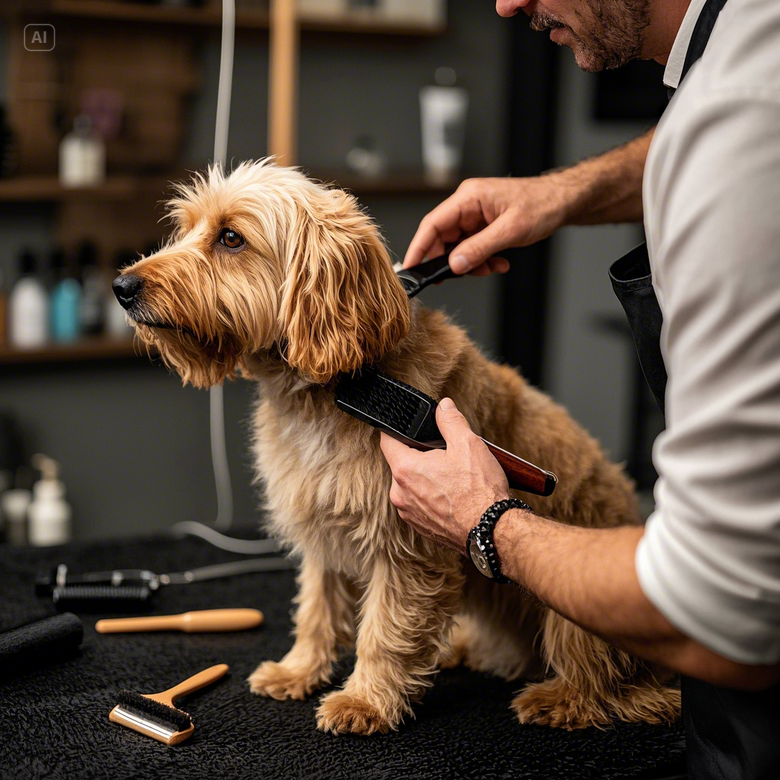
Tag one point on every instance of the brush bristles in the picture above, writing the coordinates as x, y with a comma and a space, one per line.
152, 710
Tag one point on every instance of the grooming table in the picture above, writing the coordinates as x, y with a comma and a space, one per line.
54, 720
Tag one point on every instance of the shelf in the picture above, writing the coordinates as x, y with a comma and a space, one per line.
111, 10
47, 189
97, 348
402, 183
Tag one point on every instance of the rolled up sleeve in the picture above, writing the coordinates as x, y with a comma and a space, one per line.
710, 556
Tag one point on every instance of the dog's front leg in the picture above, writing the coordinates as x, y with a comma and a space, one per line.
324, 621
405, 617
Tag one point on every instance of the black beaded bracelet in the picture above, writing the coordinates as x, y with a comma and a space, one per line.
480, 546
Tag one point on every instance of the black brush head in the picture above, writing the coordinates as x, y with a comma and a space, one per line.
101, 598
149, 709
389, 405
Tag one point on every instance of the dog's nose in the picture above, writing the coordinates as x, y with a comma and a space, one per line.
127, 288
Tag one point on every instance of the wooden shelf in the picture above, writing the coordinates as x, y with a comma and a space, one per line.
409, 183
91, 349
47, 189
211, 16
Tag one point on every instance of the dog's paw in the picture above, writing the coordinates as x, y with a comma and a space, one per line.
342, 712
281, 681
555, 706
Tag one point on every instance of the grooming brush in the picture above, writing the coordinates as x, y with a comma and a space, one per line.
420, 276
156, 715
204, 620
409, 415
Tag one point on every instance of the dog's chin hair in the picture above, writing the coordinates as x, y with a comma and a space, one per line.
202, 367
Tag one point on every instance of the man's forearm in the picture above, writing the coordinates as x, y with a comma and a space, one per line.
588, 576
608, 188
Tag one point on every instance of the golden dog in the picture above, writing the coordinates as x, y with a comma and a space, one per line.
273, 276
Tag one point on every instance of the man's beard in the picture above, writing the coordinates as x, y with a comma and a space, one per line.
611, 37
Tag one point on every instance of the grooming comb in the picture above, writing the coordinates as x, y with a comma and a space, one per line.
409, 415
420, 276
156, 715
203, 620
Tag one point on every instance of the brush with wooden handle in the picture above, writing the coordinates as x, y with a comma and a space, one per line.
156, 715
409, 415
205, 620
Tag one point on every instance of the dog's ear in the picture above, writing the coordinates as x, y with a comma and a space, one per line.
342, 304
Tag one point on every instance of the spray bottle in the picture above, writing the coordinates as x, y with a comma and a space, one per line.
49, 513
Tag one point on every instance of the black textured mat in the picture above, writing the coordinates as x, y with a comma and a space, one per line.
54, 719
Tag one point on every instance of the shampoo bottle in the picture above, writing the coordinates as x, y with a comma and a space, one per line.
82, 156
28, 307
65, 302
93, 293
49, 512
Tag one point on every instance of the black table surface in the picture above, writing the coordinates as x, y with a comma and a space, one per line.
54, 720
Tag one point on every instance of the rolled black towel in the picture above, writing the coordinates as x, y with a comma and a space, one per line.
41, 642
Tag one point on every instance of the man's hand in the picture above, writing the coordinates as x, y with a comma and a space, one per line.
443, 493
487, 216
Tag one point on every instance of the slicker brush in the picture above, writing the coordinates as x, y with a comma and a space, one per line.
156, 715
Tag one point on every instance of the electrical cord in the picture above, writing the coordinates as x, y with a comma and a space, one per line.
219, 459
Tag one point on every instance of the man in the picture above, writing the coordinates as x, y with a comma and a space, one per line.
698, 589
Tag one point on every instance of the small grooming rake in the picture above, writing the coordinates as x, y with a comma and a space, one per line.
155, 714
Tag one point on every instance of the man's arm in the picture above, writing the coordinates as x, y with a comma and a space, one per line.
585, 574
499, 213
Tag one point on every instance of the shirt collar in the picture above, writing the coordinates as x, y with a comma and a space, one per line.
674, 64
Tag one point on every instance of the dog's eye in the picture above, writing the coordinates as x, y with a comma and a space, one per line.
231, 239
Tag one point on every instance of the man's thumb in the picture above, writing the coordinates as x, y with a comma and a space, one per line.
472, 252
451, 422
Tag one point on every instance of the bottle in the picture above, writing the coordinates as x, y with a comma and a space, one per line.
93, 292
82, 156
15, 504
28, 307
443, 110
3, 313
65, 302
116, 319
49, 513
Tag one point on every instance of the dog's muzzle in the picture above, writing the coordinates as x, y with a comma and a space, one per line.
127, 288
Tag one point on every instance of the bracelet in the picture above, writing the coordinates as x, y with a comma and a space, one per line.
480, 546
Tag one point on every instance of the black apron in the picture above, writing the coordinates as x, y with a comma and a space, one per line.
730, 735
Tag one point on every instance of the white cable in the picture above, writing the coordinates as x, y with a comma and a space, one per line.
228, 543
216, 395
225, 87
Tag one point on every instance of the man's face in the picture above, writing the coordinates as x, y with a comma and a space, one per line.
601, 33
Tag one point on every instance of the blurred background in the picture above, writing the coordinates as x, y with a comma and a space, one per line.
104, 102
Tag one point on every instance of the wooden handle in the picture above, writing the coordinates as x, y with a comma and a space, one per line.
523, 475
190, 622
194, 683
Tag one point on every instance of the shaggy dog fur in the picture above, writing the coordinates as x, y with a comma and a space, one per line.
311, 293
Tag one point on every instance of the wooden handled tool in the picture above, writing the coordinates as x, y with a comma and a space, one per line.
189, 622
156, 714
523, 475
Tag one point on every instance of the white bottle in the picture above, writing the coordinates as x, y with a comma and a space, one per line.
82, 156
15, 505
28, 308
49, 512
443, 109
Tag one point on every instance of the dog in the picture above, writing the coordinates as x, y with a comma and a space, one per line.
273, 276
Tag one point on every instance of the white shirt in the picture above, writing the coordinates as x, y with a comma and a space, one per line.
710, 557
